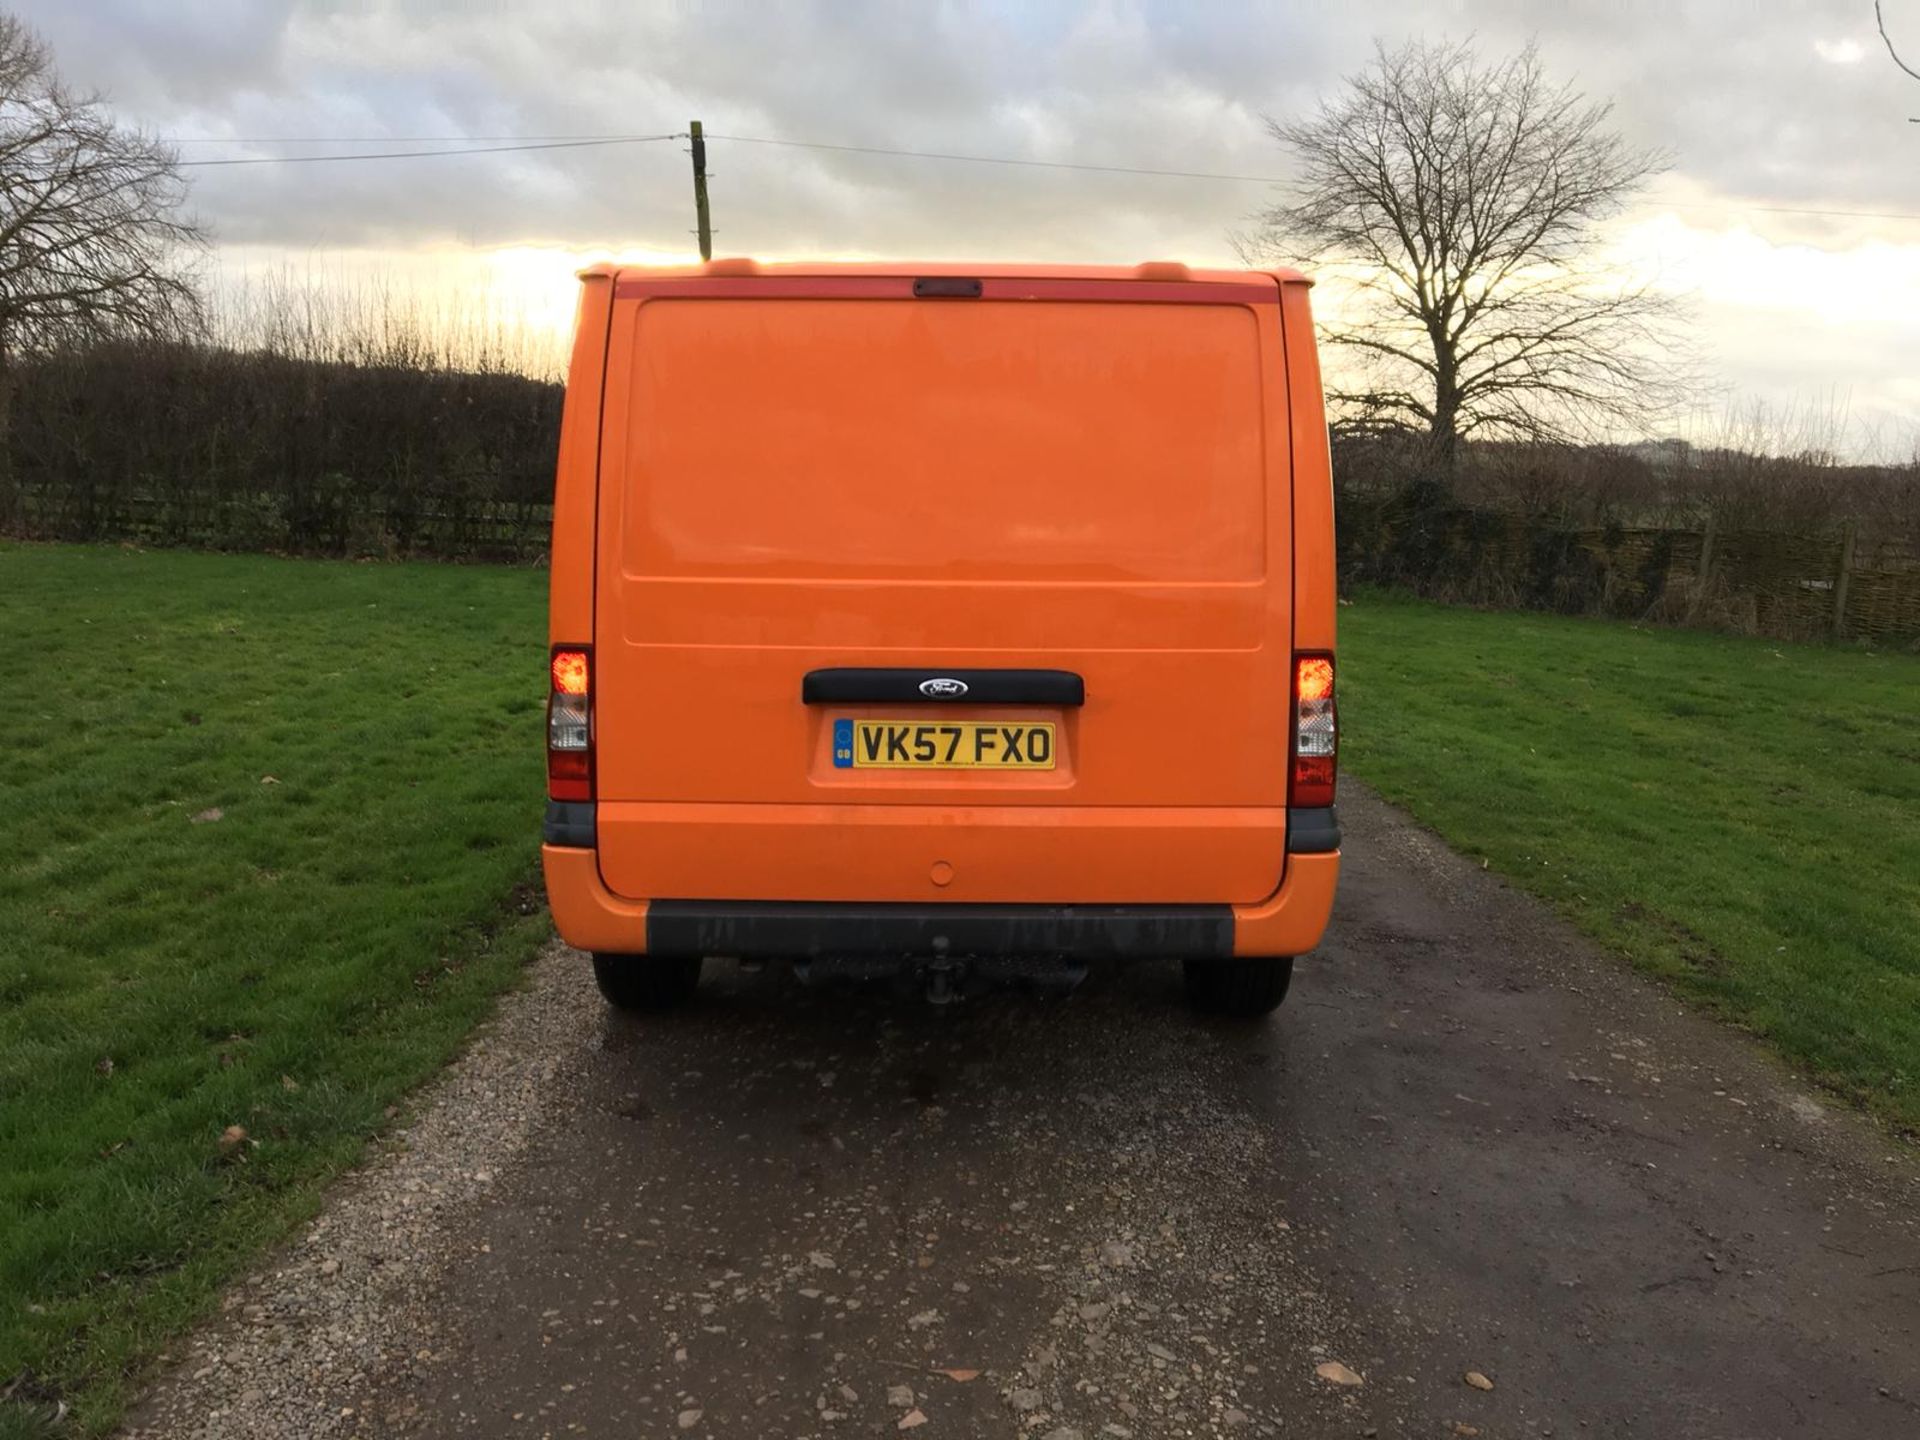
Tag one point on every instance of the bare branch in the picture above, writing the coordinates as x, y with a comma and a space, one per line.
1881, 21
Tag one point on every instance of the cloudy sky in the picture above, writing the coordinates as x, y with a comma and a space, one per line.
1769, 107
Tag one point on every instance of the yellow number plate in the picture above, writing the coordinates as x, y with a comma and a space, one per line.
941, 745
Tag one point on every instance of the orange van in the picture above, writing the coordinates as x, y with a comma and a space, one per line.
938, 615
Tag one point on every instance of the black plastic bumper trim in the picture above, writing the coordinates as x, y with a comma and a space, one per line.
853, 685
1313, 832
569, 822
798, 930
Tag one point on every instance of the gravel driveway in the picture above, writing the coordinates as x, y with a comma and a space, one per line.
1474, 1180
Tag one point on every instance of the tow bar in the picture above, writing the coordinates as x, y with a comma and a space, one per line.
945, 979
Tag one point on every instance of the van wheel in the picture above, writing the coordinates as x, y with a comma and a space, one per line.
1251, 986
638, 982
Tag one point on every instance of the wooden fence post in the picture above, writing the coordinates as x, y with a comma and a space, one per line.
1840, 582
1702, 572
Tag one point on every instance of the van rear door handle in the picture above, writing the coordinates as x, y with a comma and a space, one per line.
923, 685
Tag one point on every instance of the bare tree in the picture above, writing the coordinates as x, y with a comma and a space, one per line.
93, 241
1462, 201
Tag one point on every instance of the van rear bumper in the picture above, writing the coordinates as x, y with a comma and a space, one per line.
806, 930
591, 917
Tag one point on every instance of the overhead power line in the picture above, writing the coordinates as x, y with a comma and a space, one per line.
428, 154
1791, 210
514, 143
556, 142
383, 139
1216, 175
997, 160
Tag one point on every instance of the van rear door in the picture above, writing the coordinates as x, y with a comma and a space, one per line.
833, 476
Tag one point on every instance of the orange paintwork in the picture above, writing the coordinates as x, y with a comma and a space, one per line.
1117, 471
587, 914
1292, 919
576, 477
1315, 594
1103, 854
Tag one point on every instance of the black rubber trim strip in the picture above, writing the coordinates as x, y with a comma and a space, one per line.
952, 287
569, 822
901, 685
1313, 832
797, 930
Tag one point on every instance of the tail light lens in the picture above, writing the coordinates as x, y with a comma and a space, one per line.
570, 724
1316, 735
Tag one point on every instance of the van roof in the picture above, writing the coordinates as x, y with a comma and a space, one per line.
1160, 270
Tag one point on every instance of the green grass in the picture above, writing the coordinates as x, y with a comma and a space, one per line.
1741, 817
293, 967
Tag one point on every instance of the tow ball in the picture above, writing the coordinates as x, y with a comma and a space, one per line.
945, 978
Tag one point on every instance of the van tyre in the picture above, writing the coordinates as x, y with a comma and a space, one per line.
639, 982
1250, 986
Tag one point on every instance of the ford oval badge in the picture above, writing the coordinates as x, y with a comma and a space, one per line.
943, 688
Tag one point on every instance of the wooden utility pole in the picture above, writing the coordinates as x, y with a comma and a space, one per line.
700, 188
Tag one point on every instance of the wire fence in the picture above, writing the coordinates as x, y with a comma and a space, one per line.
1832, 583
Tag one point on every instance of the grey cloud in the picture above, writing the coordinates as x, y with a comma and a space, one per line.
159, 61
1733, 88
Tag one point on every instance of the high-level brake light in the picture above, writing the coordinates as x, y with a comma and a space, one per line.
570, 725
1315, 733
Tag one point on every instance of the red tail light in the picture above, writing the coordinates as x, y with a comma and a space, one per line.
1316, 736
570, 724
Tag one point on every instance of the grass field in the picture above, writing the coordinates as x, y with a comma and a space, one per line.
369, 737
1741, 817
